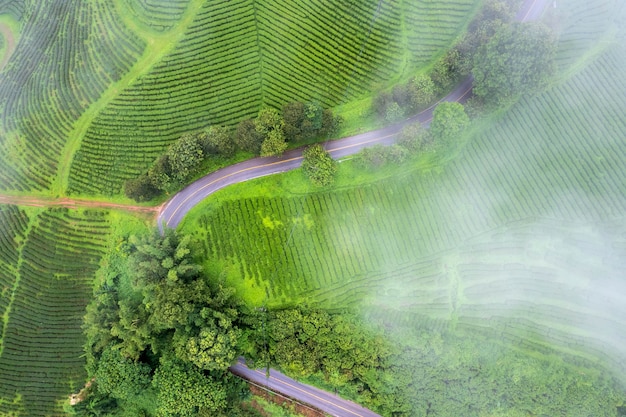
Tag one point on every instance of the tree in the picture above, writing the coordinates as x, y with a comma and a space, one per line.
319, 166
274, 143
267, 121
394, 112
294, 114
184, 156
449, 121
414, 137
184, 390
247, 138
120, 377
401, 94
447, 70
330, 123
161, 174
491, 17
518, 59
380, 103
140, 188
217, 139
421, 90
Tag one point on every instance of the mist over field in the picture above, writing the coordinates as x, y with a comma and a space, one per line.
504, 260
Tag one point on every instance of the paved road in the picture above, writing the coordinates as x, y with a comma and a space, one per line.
178, 206
306, 394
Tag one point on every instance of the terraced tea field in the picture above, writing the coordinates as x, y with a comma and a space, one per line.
522, 236
47, 262
67, 56
239, 55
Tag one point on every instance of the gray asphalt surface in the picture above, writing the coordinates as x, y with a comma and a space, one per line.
177, 207
306, 394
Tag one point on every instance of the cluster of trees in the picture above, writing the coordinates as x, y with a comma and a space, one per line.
268, 134
449, 122
405, 99
408, 371
507, 59
161, 334
180, 160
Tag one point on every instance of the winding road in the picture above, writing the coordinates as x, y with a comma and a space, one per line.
171, 213
305, 394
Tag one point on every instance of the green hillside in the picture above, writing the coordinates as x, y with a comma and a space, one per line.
47, 262
114, 82
520, 238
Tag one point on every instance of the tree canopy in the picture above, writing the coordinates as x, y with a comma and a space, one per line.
449, 121
158, 324
318, 165
518, 59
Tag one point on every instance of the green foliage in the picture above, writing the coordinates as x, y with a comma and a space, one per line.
449, 122
274, 143
319, 167
447, 70
184, 156
161, 174
268, 120
247, 138
184, 390
400, 370
421, 92
218, 140
141, 188
120, 377
394, 113
518, 59
155, 312
414, 137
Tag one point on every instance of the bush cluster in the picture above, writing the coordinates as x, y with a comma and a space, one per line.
268, 134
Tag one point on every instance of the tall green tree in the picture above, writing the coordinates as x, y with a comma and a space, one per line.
218, 139
184, 390
247, 138
184, 156
449, 121
274, 143
318, 165
421, 91
120, 377
519, 59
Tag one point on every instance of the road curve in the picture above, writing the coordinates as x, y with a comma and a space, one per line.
178, 206
172, 213
306, 394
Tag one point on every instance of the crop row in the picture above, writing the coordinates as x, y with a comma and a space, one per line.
345, 237
434, 26
68, 55
234, 57
158, 15
43, 340
586, 23
210, 78
13, 227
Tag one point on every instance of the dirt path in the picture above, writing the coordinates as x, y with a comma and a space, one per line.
10, 40
73, 203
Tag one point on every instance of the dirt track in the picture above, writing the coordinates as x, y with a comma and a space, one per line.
72, 203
